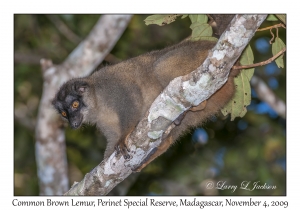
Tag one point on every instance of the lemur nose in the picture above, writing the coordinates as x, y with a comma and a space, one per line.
75, 125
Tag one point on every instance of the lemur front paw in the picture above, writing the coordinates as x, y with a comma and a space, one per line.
122, 148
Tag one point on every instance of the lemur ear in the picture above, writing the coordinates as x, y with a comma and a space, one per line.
80, 87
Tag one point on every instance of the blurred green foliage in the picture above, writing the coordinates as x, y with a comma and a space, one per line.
249, 149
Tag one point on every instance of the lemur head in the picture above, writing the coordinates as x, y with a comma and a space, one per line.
69, 101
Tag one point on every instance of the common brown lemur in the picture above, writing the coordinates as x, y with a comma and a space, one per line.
116, 97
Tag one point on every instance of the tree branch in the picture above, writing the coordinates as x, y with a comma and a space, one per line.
183, 92
264, 93
50, 139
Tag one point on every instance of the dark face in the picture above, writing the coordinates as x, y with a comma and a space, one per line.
68, 102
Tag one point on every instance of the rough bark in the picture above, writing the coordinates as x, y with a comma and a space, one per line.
50, 138
182, 93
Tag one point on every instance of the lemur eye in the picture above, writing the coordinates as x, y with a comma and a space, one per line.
75, 104
63, 113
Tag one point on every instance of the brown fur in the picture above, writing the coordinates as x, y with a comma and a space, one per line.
116, 97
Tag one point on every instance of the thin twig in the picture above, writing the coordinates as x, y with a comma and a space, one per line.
272, 36
28, 58
261, 63
64, 29
270, 27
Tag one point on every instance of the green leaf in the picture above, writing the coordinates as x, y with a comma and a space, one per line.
160, 19
202, 30
247, 58
196, 24
198, 18
272, 18
277, 46
242, 97
200, 27
282, 18
184, 16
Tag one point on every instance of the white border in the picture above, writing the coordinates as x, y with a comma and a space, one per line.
8, 8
